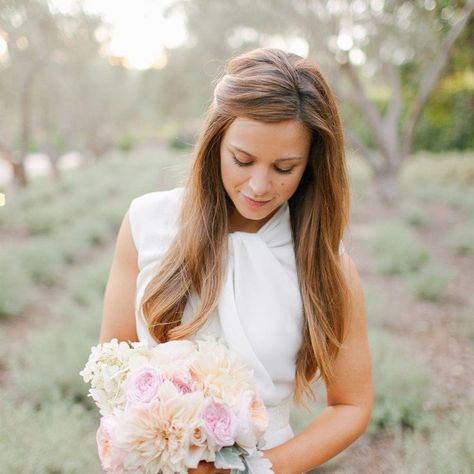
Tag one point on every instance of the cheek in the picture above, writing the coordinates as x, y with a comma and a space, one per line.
232, 174
290, 184
226, 171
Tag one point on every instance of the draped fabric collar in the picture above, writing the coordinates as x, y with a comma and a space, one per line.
275, 232
259, 311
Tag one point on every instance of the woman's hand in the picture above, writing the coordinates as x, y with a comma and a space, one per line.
208, 468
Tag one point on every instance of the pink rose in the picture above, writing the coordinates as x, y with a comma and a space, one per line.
182, 381
220, 424
142, 384
111, 457
252, 419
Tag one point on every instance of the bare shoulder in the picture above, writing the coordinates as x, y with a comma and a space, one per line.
118, 318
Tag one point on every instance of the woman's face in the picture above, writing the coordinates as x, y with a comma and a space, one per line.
261, 166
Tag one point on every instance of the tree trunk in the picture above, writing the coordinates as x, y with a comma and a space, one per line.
387, 185
19, 174
18, 167
55, 172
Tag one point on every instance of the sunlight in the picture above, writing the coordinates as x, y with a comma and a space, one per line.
139, 33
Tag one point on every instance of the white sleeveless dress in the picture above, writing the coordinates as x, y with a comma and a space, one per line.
259, 313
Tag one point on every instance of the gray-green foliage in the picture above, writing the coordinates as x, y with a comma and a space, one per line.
396, 249
88, 287
374, 305
58, 224
401, 384
36, 373
415, 215
430, 283
40, 259
15, 284
466, 320
462, 239
441, 446
47, 422
49, 370
57, 438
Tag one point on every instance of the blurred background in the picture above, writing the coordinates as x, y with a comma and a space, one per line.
100, 101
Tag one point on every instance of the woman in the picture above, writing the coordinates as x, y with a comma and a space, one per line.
250, 249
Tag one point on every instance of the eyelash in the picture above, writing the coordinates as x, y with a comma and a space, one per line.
239, 163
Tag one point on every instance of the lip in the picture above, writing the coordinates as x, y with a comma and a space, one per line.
254, 203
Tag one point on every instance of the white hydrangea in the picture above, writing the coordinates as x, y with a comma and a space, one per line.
108, 367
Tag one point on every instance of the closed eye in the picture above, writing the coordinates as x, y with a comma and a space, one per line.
279, 170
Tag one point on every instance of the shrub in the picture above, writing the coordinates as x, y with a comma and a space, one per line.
88, 286
15, 286
430, 283
95, 231
374, 305
401, 384
465, 320
71, 243
439, 169
396, 249
40, 220
49, 370
36, 373
40, 258
414, 216
57, 438
443, 446
462, 239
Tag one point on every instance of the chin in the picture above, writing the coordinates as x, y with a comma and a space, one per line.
255, 214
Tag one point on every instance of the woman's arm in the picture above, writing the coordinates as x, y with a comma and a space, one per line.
118, 314
349, 397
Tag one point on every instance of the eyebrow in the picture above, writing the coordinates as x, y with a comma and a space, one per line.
251, 156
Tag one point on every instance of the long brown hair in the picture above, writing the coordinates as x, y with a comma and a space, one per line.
268, 85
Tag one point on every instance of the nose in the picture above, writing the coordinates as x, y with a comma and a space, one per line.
260, 183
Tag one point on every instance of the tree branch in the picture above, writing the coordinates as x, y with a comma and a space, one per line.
392, 116
366, 152
372, 115
433, 73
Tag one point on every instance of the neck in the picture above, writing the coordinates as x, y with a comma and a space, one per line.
238, 223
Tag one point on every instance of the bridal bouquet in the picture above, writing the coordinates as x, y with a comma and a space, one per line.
168, 407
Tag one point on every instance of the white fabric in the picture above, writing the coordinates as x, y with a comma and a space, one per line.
259, 313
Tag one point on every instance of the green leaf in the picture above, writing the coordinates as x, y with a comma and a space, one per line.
229, 458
